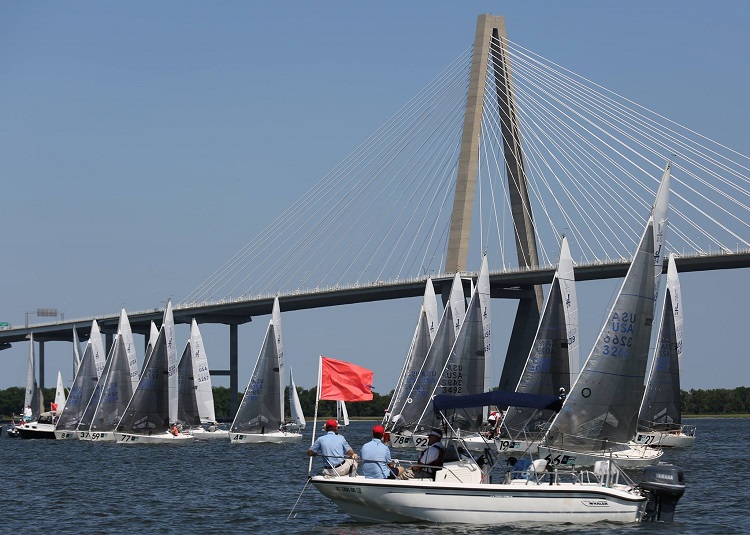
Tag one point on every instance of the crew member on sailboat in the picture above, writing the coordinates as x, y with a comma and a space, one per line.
334, 448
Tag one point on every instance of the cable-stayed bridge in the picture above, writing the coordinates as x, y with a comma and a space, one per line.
534, 151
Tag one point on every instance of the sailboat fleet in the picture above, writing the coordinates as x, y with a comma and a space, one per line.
562, 413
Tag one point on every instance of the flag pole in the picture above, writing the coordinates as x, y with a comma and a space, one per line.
315, 418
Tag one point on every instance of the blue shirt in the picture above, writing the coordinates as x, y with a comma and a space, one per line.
332, 447
375, 450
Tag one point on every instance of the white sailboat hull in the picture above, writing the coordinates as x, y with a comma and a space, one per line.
97, 436
507, 446
65, 435
204, 434
627, 456
383, 500
276, 437
157, 438
666, 439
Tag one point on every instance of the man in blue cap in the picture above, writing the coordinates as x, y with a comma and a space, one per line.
376, 458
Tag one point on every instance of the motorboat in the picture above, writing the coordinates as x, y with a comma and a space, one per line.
42, 427
463, 492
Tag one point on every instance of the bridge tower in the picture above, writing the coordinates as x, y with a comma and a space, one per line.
490, 50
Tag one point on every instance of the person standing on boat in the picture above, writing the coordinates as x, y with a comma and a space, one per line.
337, 452
376, 458
432, 456
27, 413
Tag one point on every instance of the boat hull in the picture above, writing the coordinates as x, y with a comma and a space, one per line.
626, 457
377, 500
97, 436
660, 439
278, 437
157, 438
203, 434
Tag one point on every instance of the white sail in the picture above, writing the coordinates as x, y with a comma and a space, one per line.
59, 403
659, 214
276, 319
566, 277
294, 405
129, 345
342, 415
424, 334
174, 387
76, 352
28, 400
201, 376
97, 349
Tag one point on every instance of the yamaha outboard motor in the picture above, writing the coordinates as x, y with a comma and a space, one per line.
664, 484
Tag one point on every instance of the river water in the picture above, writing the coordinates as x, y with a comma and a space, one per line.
83, 487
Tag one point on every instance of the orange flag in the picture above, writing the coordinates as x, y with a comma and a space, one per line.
344, 381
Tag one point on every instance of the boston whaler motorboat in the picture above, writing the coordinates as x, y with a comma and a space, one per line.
463, 492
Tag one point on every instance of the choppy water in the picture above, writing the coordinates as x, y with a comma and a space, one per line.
83, 487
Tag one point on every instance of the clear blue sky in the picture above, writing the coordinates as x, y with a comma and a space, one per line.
144, 143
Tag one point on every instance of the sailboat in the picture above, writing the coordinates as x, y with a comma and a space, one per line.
552, 364
424, 334
58, 405
660, 417
295, 407
84, 384
599, 416
342, 415
118, 382
260, 417
196, 394
37, 423
421, 380
152, 411
465, 371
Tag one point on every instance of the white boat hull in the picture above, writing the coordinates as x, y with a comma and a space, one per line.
630, 456
665, 439
157, 438
508, 446
203, 434
277, 437
61, 434
97, 436
383, 500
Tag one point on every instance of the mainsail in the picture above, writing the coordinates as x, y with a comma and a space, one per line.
31, 396
187, 408
603, 404
424, 334
464, 371
117, 388
59, 404
261, 409
660, 409
295, 407
553, 361
201, 376
423, 383
85, 381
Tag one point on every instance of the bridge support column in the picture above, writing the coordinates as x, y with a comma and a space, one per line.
234, 385
41, 365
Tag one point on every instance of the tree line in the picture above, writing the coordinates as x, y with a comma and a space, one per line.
719, 401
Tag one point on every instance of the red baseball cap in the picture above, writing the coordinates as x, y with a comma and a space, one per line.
378, 429
332, 423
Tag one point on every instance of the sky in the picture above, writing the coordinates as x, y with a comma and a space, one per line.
144, 143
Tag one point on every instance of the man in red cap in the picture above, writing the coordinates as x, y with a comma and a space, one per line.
333, 448
376, 458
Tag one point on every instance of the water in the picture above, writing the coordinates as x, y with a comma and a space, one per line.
84, 487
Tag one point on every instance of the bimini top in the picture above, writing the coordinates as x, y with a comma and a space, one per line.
497, 397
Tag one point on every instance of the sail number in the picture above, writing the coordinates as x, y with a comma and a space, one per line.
505, 445
401, 440
561, 459
617, 346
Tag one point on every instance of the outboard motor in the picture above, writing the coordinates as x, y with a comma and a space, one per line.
664, 484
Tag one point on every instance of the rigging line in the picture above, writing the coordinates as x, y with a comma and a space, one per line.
282, 216
593, 134
711, 202
370, 150
446, 125
599, 151
643, 108
446, 225
710, 218
586, 194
